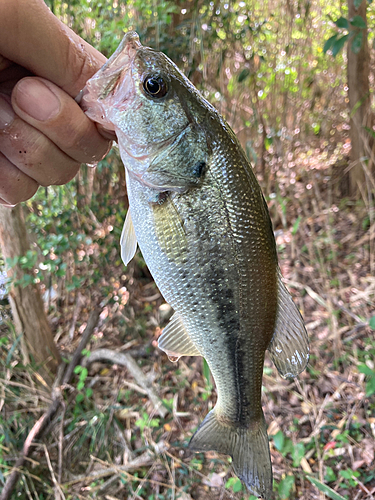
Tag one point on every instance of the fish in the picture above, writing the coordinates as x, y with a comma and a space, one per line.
202, 224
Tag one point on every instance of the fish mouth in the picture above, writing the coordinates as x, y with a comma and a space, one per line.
109, 76
112, 77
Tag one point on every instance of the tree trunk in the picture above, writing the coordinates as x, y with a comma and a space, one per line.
359, 104
26, 303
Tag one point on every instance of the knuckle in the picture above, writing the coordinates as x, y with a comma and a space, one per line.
83, 64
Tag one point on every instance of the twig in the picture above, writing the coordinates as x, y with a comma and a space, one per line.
59, 495
75, 315
142, 461
135, 372
60, 445
91, 324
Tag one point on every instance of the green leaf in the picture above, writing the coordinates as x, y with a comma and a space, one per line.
83, 374
338, 45
206, 372
329, 43
79, 397
278, 440
325, 489
243, 75
357, 4
285, 487
237, 486
346, 474
330, 475
372, 320
370, 387
296, 225
357, 42
366, 370
12, 349
12, 261
342, 22
268, 142
298, 453
80, 385
358, 22
231, 481
372, 133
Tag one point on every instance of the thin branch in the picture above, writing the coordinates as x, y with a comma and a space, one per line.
147, 458
134, 370
91, 324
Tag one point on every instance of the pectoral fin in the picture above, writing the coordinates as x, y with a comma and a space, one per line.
170, 231
175, 340
289, 347
128, 240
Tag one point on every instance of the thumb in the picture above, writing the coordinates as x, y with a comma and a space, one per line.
31, 36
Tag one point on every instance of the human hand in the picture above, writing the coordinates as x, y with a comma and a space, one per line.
44, 134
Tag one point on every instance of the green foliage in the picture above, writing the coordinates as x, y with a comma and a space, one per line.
285, 487
325, 489
354, 27
208, 379
370, 374
82, 373
234, 484
330, 475
146, 422
350, 476
286, 446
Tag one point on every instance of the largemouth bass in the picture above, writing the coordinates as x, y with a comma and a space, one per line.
202, 224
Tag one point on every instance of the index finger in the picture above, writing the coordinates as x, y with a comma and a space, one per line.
34, 38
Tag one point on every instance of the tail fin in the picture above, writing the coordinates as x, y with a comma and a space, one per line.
248, 447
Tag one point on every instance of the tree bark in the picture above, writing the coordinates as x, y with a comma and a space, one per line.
359, 104
29, 316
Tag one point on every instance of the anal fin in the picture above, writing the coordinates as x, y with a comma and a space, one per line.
289, 347
175, 340
128, 240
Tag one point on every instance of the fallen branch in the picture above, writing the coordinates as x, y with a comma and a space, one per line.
147, 458
134, 370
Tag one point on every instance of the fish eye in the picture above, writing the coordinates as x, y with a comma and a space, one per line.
155, 86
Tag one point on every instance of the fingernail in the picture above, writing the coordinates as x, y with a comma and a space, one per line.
6, 112
36, 99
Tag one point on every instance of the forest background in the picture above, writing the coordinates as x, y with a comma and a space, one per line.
294, 79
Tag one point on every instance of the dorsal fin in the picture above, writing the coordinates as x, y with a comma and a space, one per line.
289, 347
128, 240
175, 340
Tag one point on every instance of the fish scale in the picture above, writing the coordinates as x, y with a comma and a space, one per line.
199, 217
